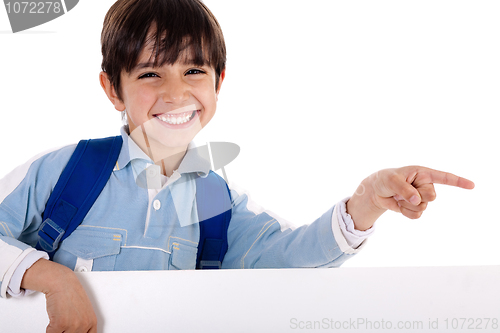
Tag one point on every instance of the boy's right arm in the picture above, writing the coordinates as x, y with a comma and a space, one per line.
23, 195
68, 306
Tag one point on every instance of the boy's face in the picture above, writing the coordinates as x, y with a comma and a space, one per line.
171, 103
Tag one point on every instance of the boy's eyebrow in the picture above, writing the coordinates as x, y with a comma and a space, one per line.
142, 65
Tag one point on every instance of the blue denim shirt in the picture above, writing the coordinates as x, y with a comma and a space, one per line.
131, 227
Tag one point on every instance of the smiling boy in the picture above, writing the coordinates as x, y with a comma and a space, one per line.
163, 66
170, 117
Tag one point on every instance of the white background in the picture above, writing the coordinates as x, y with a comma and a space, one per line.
318, 95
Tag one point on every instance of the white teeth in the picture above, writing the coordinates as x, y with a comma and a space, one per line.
177, 119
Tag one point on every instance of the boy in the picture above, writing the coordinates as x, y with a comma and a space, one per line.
163, 66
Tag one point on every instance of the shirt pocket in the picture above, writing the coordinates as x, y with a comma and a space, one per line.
97, 248
183, 254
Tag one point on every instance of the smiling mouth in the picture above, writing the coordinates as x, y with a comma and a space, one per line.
177, 118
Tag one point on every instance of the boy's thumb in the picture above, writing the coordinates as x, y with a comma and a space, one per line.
415, 199
409, 194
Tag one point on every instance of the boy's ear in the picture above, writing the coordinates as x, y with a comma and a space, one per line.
110, 91
221, 78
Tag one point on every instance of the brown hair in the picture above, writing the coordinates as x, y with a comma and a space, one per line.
180, 25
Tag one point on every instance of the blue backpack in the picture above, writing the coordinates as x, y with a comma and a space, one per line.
85, 176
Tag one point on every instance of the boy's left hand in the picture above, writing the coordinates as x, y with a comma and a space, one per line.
405, 190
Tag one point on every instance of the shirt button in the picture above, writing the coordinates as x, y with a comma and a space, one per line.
151, 172
82, 269
157, 204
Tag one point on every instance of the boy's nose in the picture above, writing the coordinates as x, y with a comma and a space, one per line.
174, 91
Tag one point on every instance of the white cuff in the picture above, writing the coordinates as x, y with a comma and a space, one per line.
11, 258
349, 239
14, 287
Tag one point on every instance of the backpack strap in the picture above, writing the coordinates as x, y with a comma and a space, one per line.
214, 212
78, 187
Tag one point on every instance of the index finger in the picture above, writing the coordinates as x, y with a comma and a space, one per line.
446, 178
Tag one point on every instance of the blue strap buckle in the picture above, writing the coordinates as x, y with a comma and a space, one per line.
50, 235
210, 264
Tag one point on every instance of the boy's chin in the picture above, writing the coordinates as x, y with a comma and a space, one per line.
156, 139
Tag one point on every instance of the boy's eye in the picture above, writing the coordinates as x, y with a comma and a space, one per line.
195, 71
147, 75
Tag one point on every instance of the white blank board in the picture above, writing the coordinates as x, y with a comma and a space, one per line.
415, 299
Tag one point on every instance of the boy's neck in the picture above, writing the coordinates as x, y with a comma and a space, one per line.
171, 161
168, 158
